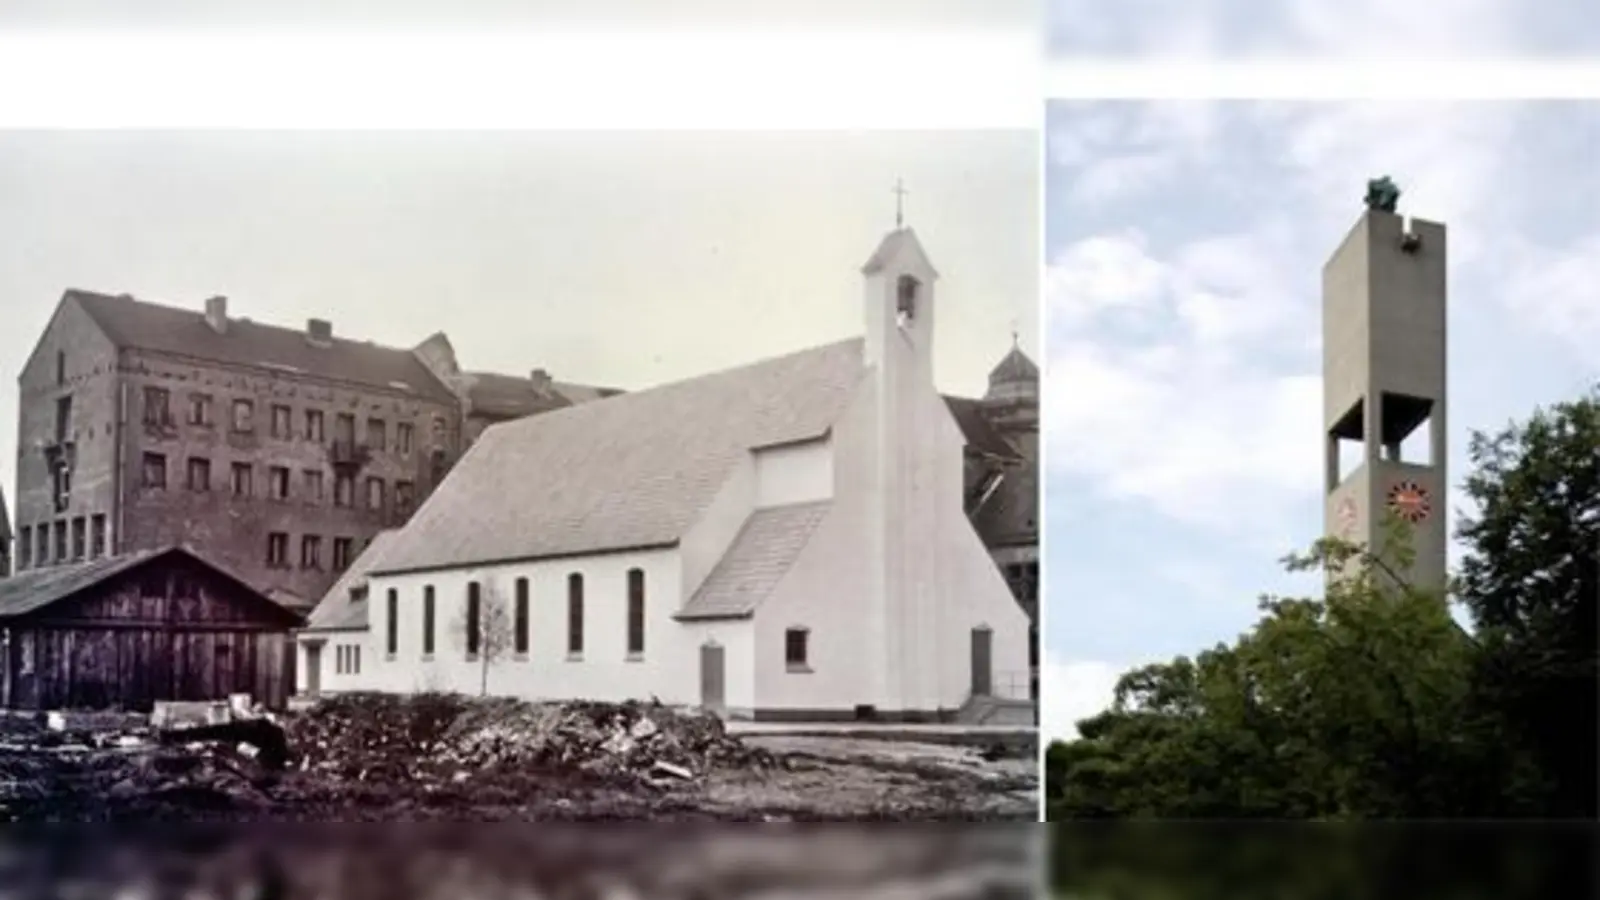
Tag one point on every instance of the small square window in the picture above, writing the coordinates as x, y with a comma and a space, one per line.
796, 650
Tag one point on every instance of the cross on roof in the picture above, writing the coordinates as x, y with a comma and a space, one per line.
899, 203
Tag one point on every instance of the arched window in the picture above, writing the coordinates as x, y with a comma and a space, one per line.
575, 614
906, 298
635, 612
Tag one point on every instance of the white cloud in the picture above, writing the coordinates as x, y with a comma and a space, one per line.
1074, 690
1174, 410
1554, 291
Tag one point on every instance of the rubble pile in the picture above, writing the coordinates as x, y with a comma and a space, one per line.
384, 737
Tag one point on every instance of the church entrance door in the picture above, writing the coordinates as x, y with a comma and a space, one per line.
982, 662
712, 678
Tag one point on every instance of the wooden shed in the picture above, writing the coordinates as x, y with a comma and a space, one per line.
129, 630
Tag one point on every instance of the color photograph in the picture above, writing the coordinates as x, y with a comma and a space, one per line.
1322, 497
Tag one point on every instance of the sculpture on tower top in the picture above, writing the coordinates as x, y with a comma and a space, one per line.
1383, 194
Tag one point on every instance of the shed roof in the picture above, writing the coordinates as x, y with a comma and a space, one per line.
761, 554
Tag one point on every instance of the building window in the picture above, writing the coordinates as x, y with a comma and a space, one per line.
155, 471
635, 612
404, 496
41, 546
61, 368
24, 547
344, 490
347, 659
474, 619
200, 409
97, 535
61, 541
377, 435
906, 299
403, 438
278, 550
243, 480
282, 419
62, 485
344, 429
574, 614
427, 620
393, 623
311, 552
375, 493
63, 419
157, 407
278, 482
341, 553
199, 474
520, 618
795, 650
312, 481
314, 425
80, 538
244, 416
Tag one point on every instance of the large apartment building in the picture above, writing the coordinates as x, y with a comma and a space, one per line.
275, 452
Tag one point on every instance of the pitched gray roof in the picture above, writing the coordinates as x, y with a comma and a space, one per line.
167, 329
628, 472
762, 553
1016, 367
336, 611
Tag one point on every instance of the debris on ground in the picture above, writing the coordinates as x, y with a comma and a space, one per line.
431, 756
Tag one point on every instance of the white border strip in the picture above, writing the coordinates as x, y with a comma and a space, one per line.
1349, 80
752, 79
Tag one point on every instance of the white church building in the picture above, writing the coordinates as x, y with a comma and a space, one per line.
781, 541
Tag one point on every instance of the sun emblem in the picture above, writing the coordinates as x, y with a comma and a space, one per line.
1409, 501
1345, 517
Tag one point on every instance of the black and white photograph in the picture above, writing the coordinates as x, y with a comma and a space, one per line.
543, 474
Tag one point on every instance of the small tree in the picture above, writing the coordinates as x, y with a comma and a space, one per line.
491, 636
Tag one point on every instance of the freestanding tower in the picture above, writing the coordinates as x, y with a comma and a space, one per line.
1383, 346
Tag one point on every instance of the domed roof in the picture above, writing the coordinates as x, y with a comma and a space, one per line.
1016, 368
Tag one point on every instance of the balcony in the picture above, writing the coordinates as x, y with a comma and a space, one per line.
348, 455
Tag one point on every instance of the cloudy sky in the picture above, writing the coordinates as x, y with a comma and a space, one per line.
616, 258
1185, 243
1322, 28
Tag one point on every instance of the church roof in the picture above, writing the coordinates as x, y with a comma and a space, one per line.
629, 472
140, 325
1015, 368
762, 553
895, 243
981, 436
338, 611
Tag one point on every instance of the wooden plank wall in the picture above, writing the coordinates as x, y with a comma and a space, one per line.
167, 636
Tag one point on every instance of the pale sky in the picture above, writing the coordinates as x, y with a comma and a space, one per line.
1302, 29
1184, 245
513, 13
616, 258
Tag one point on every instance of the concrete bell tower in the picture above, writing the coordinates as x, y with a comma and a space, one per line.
1384, 396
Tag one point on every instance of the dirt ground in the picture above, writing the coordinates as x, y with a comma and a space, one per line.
447, 759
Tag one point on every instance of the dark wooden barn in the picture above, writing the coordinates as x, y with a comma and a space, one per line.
129, 630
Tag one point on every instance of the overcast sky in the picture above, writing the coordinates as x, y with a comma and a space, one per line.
616, 258
511, 13
1185, 243
1298, 29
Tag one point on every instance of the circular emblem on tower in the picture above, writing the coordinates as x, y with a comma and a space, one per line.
1409, 501
1345, 517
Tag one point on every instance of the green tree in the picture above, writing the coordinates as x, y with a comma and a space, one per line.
1348, 706
1530, 583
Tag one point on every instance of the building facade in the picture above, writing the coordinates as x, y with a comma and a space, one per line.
786, 540
5, 536
277, 453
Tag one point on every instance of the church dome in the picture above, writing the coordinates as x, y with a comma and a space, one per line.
1015, 369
